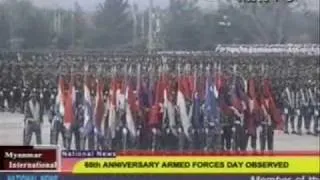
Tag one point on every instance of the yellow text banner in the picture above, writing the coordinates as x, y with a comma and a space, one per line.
200, 165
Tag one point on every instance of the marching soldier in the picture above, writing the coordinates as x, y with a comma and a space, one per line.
299, 109
33, 118
1, 96
316, 124
309, 111
271, 118
46, 95
6, 95
294, 98
56, 119
78, 118
25, 93
288, 109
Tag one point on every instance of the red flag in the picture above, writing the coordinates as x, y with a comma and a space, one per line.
201, 87
155, 115
68, 105
113, 103
132, 98
170, 87
115, 85
252, 111
185, 86
219, 81
270, 104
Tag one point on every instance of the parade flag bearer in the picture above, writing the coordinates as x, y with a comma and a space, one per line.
33, 119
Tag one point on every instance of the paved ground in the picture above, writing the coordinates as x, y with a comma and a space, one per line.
11, 127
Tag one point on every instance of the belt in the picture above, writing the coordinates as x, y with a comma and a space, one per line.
31, 119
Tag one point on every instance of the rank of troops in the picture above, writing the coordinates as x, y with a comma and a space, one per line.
182, 102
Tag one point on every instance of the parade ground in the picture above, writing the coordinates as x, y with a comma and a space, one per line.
11, 130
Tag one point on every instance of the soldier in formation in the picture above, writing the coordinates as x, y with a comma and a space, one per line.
33, 118
299, 104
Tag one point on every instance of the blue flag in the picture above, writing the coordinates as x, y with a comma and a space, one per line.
211, 103
144, 96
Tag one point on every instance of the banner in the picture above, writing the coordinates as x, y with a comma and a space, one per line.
56, 176
196, 165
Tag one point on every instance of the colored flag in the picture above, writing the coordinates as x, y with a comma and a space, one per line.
143, 94
155, 115
196, 111
270, 104
60, 97
130, 100
120, 95
69, 100
99, 105
88, 107
235, 101
211, 102
252, 104
251, 114
168, 107
112, 123
182, 106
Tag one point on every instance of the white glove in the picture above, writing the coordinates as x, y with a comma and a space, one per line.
259, 129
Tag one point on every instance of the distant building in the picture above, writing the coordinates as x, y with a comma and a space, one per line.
16, 43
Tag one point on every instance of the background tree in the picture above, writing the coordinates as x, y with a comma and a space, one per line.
265, 22
65, 38
4, 28
183, 25
80, 27
37, 33
27, 23
182, 29
113, 25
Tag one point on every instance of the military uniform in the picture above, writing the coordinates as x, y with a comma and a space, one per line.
316, 124
75, 127
309, 110
268, 126
6, 96
46, 97
25, 93
288, 109
299, 110
57, 127
1, 98
33, 119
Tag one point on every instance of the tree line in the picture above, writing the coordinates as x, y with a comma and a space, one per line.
183, 25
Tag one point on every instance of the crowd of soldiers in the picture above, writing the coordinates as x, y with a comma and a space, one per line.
181, 102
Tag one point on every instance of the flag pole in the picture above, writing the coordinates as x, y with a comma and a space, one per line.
150, 32
73, 24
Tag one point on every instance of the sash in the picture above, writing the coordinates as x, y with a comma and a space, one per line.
293, 99
35, 110
303, 98
289, 96
296, 100
313, 103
